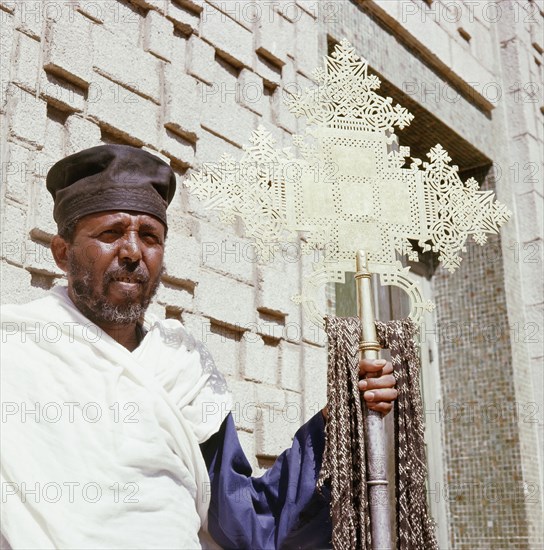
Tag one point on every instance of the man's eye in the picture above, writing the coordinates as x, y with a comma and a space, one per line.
109, 234
151, 237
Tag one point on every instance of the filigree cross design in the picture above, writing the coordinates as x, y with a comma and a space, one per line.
348, 188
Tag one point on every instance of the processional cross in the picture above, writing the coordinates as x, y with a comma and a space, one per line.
351, 193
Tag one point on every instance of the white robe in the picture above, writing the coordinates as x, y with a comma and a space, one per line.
110, 457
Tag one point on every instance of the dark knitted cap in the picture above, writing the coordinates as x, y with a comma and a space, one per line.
110, 177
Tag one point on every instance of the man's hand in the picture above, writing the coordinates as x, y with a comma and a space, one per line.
377, 384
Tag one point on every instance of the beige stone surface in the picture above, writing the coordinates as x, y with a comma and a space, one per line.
183, 18
80, 134
26, 71
61, 93
182, 103
68, 50
227, 36
275, 39
27, 117
214, 294
17, 172
259, 359
158, 35
110, 55
200, 59
125, 112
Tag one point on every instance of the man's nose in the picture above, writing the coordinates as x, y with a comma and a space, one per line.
131, 247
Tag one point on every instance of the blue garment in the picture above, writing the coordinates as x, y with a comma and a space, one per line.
281, 509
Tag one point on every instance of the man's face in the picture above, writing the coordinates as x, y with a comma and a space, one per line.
114, 265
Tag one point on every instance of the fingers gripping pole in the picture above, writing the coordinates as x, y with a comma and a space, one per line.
380, 524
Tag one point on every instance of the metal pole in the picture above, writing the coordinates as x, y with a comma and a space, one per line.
380, 523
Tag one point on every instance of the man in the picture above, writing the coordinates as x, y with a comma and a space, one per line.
107, 438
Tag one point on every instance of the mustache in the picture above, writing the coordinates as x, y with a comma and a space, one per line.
139, 274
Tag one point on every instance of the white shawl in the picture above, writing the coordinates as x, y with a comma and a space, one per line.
110, 457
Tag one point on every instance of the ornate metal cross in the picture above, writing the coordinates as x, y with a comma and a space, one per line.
349, 188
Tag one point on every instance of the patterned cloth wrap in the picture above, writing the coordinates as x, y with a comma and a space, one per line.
344, 461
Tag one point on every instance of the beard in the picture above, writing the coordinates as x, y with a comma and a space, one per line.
94, 303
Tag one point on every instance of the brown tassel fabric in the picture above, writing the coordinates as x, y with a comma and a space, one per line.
344, 460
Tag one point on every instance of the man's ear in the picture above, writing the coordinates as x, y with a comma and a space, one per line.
59, 249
